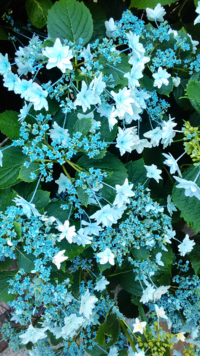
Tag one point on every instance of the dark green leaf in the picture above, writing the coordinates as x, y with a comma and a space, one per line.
71, 250
117, 71
195, 255
9, 124
7, 201
25, 260
13, 159
4, 265
137, 173
37, 11
111, 327
3, 33
40, 200
99, 18
69, 19
83, 125
4, 286
143, 4
25, 172
193, 92
54, 209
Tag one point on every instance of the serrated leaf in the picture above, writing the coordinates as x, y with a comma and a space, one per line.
82, 125
137, 173
118, 70
25, 260
188, 206
72, 250
40, 200
54, 209
25, 172
193, 92
7, 201
13, 159
143, 4
9, 124
4, 286
4, 265
69, 19
37, 11
110, 327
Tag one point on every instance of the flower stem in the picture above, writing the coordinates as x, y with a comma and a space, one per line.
127, 335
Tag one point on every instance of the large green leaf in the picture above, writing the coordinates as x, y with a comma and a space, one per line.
195, 255
72, 250
37, 11
111, 327
99, 18
40, 200
70, 19
4, 286
13, 159
118, 70
113, 166
25, 260
126, 279
25, 172
137, 173
143, 4
82, 125
189, 206
4, 265
54, 209
7, 201
193, 92
9, 124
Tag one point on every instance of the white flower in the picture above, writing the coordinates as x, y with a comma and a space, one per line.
36, 95
155, 135
194, 44
106, 256
191, 188
156, 14
160, 291
168, 132
139, 145
133, 76
176, 81
63, 183
161, 77
160, 312
180, 336
123, 193
186, 246
172, 163
169, 235
125, 139
170, 206
158, 259
58, 133
33, 335
139, 326
58, 56
104, 216
113, 351
59, 258
86, 54
97, 87
72, 324
82, 238
5, 66
111, 28
137, 48
91, 228
10, 80
21, 87
101, 284
197, 20
28, 208
24, 112
153, 172
123, 101
147, 294
67, 232
85, 97
87, 304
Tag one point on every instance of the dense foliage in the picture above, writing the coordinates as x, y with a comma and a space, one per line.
99, 176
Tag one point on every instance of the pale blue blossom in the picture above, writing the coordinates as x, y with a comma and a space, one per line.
139, 145
160, 312
147, 294
170, 205
106, 256
197, 20
91, 228
97, 86
84, 98
22, 86
58, 56
10, 80
158, 259
104, 216
87, 304
191, 188
153, 172
168, 132
160, 291
33, 335
186, 246
161, 77
139, 60
28, 208
72, 324
58, 133
86, 54
1, 159
101, 284
133, 76
113, 351
59, 258
111, 28
172, 163
24, 112
176, 80
5, 66
36, 95
66, 232
126, 139
63, 183
123, 193
156, 14
82, 238
123, 101
154, 135
133, 42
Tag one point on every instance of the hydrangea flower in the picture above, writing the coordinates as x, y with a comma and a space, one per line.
66, 231
113, 351
161, 77
139, 326
58, 133
123, 193
101, 284
33, 335
123, 101
133, 42
148, 294
5, 66
168, 132
72, 324
104, 216
186, 246
158, 259
106, 256
82, 238
153, 172
28, 208
58, 56
159, 292
197, 20
59, 258
63, 183
10, 80
86, 54
36, 95
87, 304
191, 188
170, 205
85, 97
126, 139
172, 163
156, 14
160, 312
154, 135
111, 28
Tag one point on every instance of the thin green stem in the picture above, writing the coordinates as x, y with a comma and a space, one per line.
127, 335
66, 173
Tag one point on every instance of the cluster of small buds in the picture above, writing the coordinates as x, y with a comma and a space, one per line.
192, 142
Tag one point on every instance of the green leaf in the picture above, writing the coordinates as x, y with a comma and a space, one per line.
40, 200
83, 197
83, 125
54, 209
111, 327
117, 70
70, 19
125, 304
106, 134
9, 124
72, 250
126, 279
166, 89
37, 11
25, 172
140, 254
3, 33
179, 92
4, 286
6, 264
195, 255
137, 173
95, 351
13, 159
143, 4
7, 201
17, 227
25, 260
99, 18
193, 92
25, 189
110, 164
188, 206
